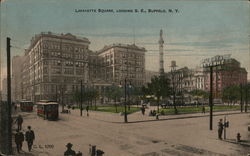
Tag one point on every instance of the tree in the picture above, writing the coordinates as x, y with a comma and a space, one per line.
159, 87
137, 94
77, 97
95, 96
114, 92
231, 93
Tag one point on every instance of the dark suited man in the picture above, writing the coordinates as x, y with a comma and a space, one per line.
29, 137
69, 151
19, 138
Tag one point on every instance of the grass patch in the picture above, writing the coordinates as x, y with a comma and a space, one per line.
112, 109
183, 110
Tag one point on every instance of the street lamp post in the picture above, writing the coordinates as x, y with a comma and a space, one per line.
173, 72
211, 99
125, 102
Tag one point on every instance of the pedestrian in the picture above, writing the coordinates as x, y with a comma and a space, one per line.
29, 137
69, 151
203, 109
220, 129
87, 109
19, 138
19, 122
142, 110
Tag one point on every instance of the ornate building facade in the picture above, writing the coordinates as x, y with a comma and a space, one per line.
122, 61
54, 66
17, 94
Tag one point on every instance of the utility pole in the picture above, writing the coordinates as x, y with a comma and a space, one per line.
217, 61
81, 100
8, 131
211, 99
125, 104
225, 128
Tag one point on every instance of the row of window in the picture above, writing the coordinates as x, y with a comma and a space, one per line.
54, 45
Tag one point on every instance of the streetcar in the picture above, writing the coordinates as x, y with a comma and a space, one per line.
48, 110
26, 106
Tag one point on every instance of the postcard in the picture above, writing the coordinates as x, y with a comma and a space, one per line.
127, 78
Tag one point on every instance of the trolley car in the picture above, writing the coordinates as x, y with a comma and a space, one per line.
26, 106
48, 110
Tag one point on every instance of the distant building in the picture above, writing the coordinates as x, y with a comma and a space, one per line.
120, 61
17, 93
200, 78
54, 66
149, 75
4, 89
230, 73
182, 79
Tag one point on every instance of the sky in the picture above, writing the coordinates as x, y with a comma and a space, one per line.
198, 30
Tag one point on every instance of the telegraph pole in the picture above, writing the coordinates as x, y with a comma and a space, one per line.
210, 64
81, 100
211, 99
9, 105
125, 104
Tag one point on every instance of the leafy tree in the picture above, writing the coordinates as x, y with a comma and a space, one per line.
137, 94
114, 92
231, 93
159, 87
95, 96
77, 96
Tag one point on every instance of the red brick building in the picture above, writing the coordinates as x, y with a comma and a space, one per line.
230, 73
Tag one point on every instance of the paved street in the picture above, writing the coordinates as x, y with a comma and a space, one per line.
188, 136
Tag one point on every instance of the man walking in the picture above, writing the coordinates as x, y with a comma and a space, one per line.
19, 138
203, 109
143, 110
87, 109
29, 137
19, 122
220, 129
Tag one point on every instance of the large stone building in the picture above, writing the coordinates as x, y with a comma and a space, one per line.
200, 78
54, 66
122, 61
4, 89
17, 93
183, 79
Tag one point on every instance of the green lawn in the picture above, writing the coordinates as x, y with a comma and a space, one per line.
112, 109
182, 110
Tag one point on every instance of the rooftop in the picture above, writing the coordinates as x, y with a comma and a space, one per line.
119, 45
68, 36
